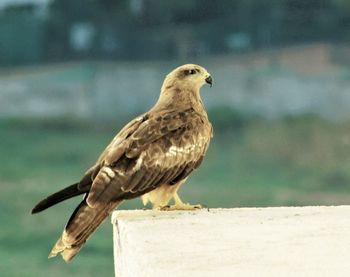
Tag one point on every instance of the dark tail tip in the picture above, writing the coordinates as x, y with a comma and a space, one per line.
42, 205
36, 210
58, 197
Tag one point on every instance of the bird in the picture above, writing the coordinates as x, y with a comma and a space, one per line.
151, 157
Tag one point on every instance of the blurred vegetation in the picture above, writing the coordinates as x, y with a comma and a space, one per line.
292, 161
153, 29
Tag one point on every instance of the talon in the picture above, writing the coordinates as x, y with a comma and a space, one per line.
179, 205
161, 208
182, 207
164, 208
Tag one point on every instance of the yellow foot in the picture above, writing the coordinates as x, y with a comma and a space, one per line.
182, 207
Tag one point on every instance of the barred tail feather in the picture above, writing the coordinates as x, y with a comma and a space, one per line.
82, 224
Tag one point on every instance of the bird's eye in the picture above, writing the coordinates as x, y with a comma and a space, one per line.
190, 72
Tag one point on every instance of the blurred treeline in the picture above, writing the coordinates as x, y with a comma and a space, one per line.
62, 30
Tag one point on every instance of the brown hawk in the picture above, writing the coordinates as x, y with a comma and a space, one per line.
150, 157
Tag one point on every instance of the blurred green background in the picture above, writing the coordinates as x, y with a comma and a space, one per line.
72, 73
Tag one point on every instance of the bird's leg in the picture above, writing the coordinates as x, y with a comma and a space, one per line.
179, 205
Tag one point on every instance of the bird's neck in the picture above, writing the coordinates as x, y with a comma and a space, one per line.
179, 99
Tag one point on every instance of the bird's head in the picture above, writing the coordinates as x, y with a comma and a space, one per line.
188, 77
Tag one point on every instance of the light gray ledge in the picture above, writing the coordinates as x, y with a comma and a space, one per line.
282, 241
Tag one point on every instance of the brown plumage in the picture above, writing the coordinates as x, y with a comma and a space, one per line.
150, 157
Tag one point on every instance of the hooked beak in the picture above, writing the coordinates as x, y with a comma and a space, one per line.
209, 80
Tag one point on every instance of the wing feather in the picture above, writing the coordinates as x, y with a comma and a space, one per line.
135, 181
104, 186
156, 128
149, 180
151, 152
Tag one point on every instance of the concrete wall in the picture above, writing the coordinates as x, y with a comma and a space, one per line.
285, 241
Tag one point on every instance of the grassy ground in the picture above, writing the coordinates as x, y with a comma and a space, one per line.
296, 161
